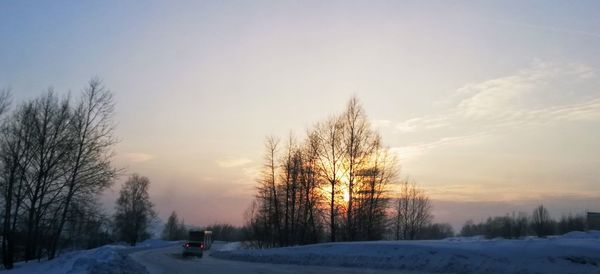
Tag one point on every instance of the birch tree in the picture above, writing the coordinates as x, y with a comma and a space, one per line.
134, 210
412, 211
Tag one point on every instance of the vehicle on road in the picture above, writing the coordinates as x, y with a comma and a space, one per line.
198, 241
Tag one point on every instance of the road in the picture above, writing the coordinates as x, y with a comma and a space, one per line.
168, 260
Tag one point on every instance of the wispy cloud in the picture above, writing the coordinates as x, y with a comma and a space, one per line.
535, 96
420, 123
528, 90
251, 172
406, 153
381, 123
138, 157
233, 162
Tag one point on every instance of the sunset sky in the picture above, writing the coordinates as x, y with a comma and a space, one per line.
492, 107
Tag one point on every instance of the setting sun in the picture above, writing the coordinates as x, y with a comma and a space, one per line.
346, 196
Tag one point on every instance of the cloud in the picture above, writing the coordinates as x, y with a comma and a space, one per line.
251, 172
138, 157
414, 124
381, 123
406, 153
233, 162
540, 95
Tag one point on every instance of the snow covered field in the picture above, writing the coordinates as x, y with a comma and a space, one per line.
106, 259
575, 252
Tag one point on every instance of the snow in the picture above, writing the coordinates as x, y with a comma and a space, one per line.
225, 246
152, 243
575, 252
594, 234
106, 259
72, 262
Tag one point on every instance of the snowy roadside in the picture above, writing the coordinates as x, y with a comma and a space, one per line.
576, 252
108, 259
219, 246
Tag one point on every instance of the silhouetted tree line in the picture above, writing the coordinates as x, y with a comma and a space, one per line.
435, 231
175, 230
518, 225
226, 232
334, 185
55, 159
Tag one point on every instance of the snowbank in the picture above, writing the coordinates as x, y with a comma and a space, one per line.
570, 253
224, 246
105, 259
108, 259
592, 234
152, 243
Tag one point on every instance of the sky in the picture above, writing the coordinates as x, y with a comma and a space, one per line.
491, 106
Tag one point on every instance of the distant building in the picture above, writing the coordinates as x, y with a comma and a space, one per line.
593, 220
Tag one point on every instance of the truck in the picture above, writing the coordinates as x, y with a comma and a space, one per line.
198, 241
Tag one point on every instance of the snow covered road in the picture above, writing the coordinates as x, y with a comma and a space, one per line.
168, 260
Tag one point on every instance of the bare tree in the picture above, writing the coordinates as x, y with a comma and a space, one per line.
359, 142
134, 210
43, 185
86, 225
15, 151
288, 179
311, 191
412, 212
174, 228
4, 100
16, 156
91, 134
254, 229
329, 164
268, 213
375, 180
541, 221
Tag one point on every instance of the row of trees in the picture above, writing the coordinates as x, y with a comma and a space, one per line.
175, 229
517, 225
412, 212
55, 160
334, 184
226, 232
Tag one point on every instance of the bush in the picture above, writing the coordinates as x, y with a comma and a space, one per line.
571, 223
436, 232
225, 232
